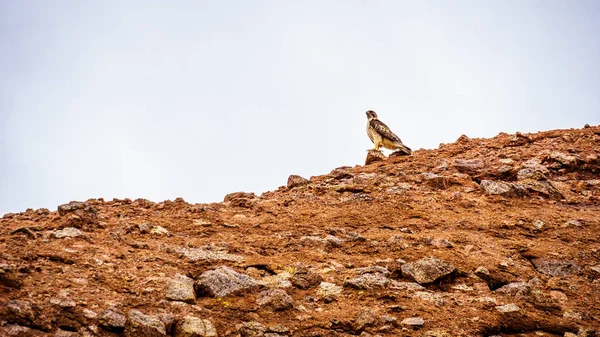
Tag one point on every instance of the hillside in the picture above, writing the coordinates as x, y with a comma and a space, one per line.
480, 237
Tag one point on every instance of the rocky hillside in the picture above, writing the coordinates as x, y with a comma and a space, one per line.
482, 237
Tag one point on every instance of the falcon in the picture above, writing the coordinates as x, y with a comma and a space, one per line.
381, 135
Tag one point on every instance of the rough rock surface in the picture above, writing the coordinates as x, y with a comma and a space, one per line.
139, 324
191, 326
427, 270
519, 213
223, 281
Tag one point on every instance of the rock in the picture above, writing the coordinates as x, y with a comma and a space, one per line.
112, 320
562, 159
181, 288
240, 199
373, 269
252, 329
468, 165
63, 303
275, 299
158, 230
191, 326
69, 232
334, 241
374, 156
545, 188
415, 322
169, 321
538, 224
509, 309
368, 282
365, 318
328, 291
19, 312
145, 228
304, 278
502, 188
200, 254
78, 214
139, 324
427, 270
17, 331
515, 289
410, 286
441, 243
9, 277
552, 267
296, 181
436, 181
223, 281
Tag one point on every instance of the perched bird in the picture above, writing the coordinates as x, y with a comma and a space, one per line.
381, 135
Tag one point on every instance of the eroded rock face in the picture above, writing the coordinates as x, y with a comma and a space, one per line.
223, 281
427, 270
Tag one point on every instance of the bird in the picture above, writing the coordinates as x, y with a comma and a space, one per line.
381, 135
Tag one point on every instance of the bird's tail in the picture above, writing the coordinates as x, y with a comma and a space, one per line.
404, 150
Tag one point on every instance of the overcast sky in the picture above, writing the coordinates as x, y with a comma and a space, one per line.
196, 99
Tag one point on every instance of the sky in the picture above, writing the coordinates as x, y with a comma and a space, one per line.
196, 99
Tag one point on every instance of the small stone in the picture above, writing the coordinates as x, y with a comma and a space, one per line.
365, 318
158, 230
442, 243
181, 288
515, 289
414, 322
368, 282
569, 334
468, 165
112, 320
275, 299
69, 232
295, 181
410, 286
252, 329
63, 303
329, 291
502, 188
572, 315
427, 270
334, 241
223, 281
304, 278
373, 269
145, 228
538, 224
140, 324
374, 156
552, 267
509, 309
20, 312
191, 326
